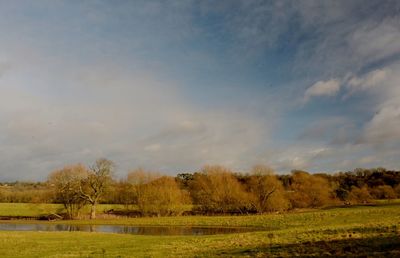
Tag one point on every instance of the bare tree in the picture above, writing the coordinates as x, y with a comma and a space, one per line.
156, 194
66, 184
93, 187
268, 192
138, 179
162, 197
216, 189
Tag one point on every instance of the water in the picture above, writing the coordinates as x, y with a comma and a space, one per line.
136, 230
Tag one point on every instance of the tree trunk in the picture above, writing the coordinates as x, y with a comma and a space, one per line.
93, 211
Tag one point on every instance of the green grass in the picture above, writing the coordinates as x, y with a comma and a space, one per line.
372, 231
39, 209
28, 209
387, 201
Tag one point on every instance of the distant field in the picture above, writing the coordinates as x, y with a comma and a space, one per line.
373, 231
39, 209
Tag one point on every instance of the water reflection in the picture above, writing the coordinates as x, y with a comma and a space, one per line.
137, 230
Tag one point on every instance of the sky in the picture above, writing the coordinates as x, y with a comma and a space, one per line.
172, 86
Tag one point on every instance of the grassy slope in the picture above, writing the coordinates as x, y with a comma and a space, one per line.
357, 230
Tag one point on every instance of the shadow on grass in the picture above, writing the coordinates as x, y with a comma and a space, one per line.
387, 246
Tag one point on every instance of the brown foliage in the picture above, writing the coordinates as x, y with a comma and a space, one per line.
309, 190
162, 197
93, 187
383, 192
138, 179
215, 189
66, 184
26, 193
266, 190
397, 190
359, 195
155, 194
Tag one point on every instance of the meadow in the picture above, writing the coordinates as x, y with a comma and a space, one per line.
44, 209
359, 230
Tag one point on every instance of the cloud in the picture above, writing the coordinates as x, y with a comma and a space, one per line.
350, 142
384, 127
336, 130
303, 156
342, 37
153, 147
135, 118
172, 86
359, 49
372, 79
376, 41
120, 82
381, 86
224, 138
4, 67
322, 88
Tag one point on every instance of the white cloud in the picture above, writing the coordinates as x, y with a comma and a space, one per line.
382, 85
302, 156
384, 127
375, 41
224, 138
373, 79
375, 142
322, 88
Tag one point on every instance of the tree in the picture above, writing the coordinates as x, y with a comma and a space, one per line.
267, 191
397, 190
184, 180
383, 192
155, 194
162, 197
93, 187
123, 194
138, 179
66, 183
309, 190
215, 189
360, 195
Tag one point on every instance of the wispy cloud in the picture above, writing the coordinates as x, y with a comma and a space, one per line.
322, 88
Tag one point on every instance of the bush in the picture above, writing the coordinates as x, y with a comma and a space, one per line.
216, 190
360, 195
309, 190
383, 192
162, 197
266, 190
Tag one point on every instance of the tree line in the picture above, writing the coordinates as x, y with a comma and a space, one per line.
212, 190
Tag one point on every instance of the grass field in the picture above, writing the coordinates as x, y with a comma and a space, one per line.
372, 231
39, 209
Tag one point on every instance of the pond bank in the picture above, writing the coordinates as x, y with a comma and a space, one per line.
121, 229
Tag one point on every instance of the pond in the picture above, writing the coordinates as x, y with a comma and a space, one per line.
121, 229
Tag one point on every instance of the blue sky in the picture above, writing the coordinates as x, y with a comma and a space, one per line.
175, 85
